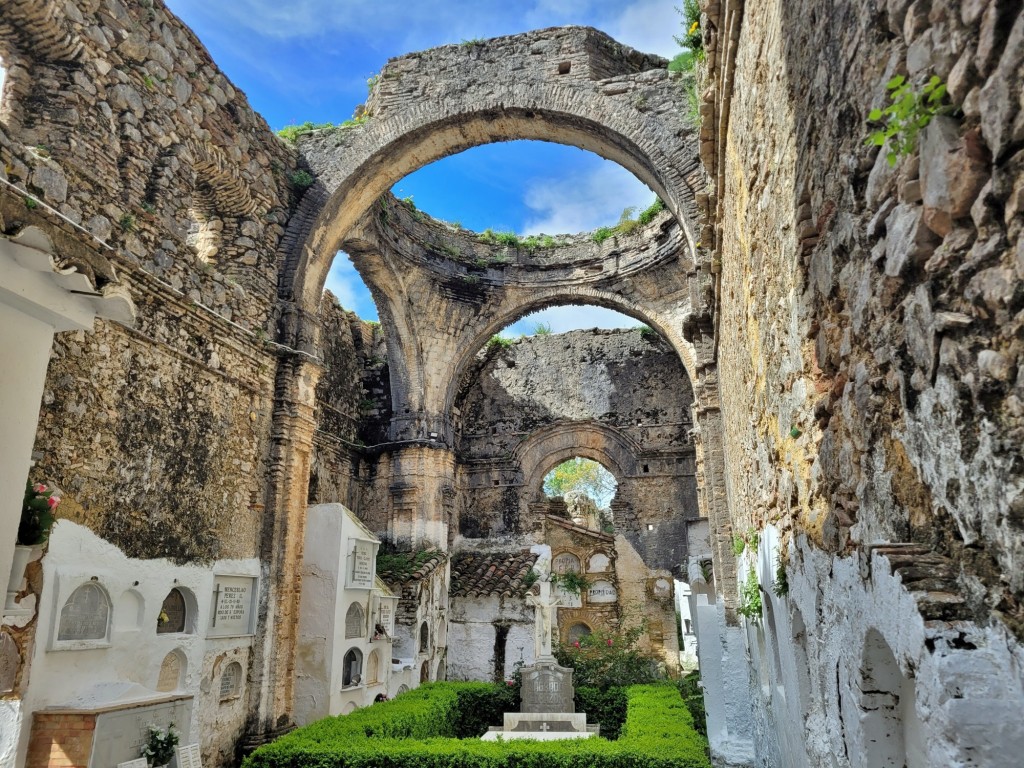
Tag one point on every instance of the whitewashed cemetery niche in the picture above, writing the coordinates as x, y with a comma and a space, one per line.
346, 618
119, 637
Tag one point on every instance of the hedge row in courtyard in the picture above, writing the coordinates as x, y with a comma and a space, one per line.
419, 730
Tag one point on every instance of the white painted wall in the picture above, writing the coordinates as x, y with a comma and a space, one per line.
322, 644
471, 635
135, 651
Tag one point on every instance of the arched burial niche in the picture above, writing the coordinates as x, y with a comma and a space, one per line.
352, 668
889, 728
355, 620
177, 612
84, 620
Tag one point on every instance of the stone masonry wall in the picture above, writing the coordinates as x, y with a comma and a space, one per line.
619, 397
121, 139
870, 354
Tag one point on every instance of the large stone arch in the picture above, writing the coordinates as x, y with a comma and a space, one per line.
610, 99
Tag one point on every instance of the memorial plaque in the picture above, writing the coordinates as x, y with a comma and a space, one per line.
602, 592
566, 562
231, 614
386, 616
121, 734
547, 688
361, 564
170, 673
172, 614
10, 660
85, 615
231, 681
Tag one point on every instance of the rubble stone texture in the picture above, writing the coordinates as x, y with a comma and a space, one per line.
839, 376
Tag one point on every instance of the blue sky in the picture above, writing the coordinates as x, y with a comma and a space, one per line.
300, 60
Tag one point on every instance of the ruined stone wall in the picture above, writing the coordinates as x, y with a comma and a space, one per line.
619, 397
130, 132
869, 342
353, 407
124, 143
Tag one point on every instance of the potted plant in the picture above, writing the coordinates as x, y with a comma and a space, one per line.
159, 747
33, 529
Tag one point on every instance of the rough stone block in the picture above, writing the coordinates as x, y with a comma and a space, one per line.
953, 171
909, 241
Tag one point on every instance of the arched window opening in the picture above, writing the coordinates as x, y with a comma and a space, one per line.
173, 614
539, 188
85, 615
424, 638
425, 672
577, 632
442, 671
352, 669
347, 286
587, 489
354, 620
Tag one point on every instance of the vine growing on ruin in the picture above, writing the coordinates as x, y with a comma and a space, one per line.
750, 596
908, 114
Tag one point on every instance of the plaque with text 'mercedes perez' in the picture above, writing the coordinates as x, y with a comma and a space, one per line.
232, 611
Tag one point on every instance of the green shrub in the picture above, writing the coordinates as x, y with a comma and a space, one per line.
606, 708
693, 698
418, 729
606, 660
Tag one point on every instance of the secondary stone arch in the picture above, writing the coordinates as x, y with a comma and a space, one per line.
548, 447
614, 101
668, 327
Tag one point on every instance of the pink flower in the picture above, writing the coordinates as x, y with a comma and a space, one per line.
609, 641
53, 501
577, 644
509, 682
39, 488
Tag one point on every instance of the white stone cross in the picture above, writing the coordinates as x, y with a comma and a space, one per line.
544, 607
545, 727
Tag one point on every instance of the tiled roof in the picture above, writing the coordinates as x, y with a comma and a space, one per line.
501, 574
396, 571
569, 525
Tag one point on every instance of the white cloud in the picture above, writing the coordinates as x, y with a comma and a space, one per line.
583, 201
648, 26
568, 318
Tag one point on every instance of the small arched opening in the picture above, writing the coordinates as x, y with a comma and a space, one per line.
424, 646
352, 668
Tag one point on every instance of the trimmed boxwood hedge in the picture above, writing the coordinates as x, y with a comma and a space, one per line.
419, 729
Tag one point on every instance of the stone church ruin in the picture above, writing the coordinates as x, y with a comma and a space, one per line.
818, 430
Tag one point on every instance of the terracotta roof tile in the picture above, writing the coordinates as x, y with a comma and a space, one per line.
500, 574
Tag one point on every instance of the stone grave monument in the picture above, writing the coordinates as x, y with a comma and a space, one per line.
548, 711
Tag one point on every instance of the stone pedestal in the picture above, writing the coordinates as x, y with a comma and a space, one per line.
548, 711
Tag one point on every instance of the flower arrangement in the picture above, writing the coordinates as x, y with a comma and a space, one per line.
159, 747
37, 514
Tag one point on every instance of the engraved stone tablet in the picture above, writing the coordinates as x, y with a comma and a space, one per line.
361, 564
85, 615
170, 673
10, 660
566, 562
120, 734
547, 688
602, 592
232, 609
